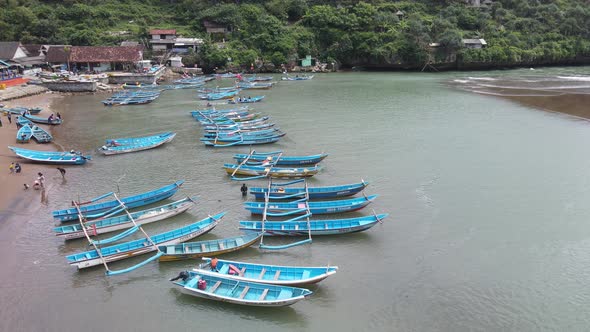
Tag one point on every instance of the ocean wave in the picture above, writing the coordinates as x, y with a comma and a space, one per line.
576, 78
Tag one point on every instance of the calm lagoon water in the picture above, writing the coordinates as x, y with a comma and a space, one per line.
488, 203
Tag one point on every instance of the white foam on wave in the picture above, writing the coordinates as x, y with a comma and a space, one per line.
461, 81
483, 78
575, 78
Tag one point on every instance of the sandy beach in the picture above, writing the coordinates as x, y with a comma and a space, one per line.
572, 104
13, 196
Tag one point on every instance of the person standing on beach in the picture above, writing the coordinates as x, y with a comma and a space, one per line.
41, 179
11, 168
9, 118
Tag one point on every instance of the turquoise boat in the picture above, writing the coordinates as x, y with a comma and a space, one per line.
316, 207
133, 144
24, 134
216, 247
213, 286
142, 246
37, 119
269, 274
50, 157
106, 225
246, 100
21, 121
41, 135
277, 158
112, 207
284, 192
317, 227
19, 110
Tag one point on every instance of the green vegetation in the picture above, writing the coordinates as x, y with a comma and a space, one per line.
373, 33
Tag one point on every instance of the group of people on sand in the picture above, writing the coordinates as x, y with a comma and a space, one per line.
39, 183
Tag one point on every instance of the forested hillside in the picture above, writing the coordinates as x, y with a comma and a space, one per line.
373, 33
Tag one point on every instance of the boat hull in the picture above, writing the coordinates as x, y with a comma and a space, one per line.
322, 207
144, 219
168, 257
110, 151
313, 192
86, 263
267, 274
130, 202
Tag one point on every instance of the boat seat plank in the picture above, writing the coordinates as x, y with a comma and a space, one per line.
242, 271
202, 247
262, 273
277, 275
246, 289
263, 295
214, 288
221, 246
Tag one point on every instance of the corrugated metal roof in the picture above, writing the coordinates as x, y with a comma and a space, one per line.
163, 32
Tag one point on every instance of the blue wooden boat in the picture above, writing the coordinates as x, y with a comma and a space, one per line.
260, 133
274, 172
246, 100
297, 78
213, 286
37, 119
269, 274
277, 158
106, 225
254, 85
220, 95
130, 97
21, 121
276, 209
238, 125
102, 209
51, 157
19, 110
244, 141
216, 247
317, 227
233, 118
142, 246
216, 90
133, 144
313, 192
24, 134
256, 78
41, 135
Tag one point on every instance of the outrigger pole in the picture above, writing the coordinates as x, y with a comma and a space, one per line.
306, 215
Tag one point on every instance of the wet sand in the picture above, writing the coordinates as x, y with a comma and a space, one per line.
572, 104
13, 196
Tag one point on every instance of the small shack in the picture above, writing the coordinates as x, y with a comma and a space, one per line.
105, 58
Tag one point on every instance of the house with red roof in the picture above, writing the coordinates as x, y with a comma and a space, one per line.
105, 58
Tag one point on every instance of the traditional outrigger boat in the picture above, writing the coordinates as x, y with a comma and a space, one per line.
40, 134
231, 134
213, 286
110, 208
51, 157
245, 100
106, 225
255, 158
316, 227
120, 251
254, 85
282, 191
297, 78
256, 78
315, 207
220, 95
133, 144
221, 143
20, 110
269, 171
269, 274
24, 134
208, 248
37, 119
130, 97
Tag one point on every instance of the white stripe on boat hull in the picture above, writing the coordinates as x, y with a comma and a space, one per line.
144, 219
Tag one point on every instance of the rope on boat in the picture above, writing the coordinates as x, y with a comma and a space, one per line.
81, 218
